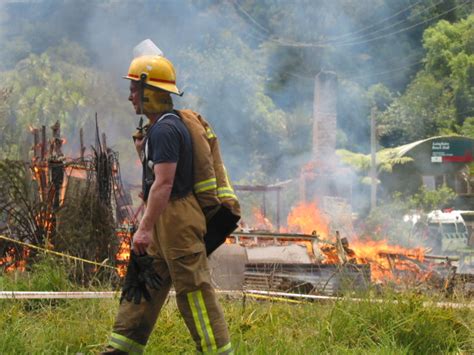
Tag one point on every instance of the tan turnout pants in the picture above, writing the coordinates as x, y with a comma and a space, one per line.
178, 249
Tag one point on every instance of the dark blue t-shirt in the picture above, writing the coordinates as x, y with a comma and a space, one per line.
169, 141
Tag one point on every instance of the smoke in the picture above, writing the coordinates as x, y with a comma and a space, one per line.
249, 73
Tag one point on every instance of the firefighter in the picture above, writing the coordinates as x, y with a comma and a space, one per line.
170, 236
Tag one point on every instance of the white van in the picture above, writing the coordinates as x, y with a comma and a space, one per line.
447, 230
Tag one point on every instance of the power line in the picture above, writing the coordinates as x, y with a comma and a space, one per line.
260, 27
386, 71
290, 43
398, 69
406, 28
348, 34
390, 26
381, 73
249, 16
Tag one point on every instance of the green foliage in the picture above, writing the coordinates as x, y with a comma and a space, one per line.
260, 124
386, 222
55, 85
359, 162
424, 110
468, 127
379, 96
428, 200
250, 70
440, 99
386, 159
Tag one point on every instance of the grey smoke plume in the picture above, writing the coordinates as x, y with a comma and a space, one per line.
252, 79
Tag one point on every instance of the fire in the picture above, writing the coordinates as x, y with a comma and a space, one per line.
370, 249
123, 255
306, 218
11, 263
124, 233
310, 167
309, 247
45, 221
384, 258
261, 222
388, 262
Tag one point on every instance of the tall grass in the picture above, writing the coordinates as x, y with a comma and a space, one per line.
49, 273
257, 327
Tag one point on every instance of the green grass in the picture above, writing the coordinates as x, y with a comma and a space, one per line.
257, 327
70, 326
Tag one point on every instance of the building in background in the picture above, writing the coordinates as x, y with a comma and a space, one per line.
436, 161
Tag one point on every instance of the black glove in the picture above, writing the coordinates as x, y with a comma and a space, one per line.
147, 273
133, 288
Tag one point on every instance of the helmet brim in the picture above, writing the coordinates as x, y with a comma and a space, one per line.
168, 87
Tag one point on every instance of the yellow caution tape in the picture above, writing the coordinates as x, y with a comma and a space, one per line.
280, 299
58, 253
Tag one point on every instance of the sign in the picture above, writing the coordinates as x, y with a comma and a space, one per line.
455, 151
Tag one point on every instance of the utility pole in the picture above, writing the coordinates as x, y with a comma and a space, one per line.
373, 161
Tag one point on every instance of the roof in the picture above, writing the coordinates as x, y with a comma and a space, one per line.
404, 150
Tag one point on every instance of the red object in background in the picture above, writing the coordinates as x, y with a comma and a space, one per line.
466, 158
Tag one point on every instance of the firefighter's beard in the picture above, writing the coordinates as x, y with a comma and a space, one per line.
156, 101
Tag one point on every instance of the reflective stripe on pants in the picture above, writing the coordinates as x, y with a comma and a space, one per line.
201, 321
225, 350
125, 344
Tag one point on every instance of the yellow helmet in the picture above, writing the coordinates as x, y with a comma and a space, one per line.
155, 71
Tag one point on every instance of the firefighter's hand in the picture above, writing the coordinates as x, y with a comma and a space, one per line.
141, 241
139, 145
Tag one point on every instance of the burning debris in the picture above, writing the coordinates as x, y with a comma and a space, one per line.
65, 204
302, 259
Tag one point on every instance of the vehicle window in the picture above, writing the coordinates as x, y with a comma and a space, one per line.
449, 227
461, 227
433, 227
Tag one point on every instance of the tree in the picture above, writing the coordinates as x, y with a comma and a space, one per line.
440, 98
56, 85
427, 200
424, 110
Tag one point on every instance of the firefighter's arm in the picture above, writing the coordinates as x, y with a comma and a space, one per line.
158, 198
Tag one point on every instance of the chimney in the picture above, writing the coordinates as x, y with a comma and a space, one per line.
324, 119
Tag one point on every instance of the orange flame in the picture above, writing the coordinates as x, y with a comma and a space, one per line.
306, 218
383, 259
260, 221
9, 262
387, 262
125, 234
